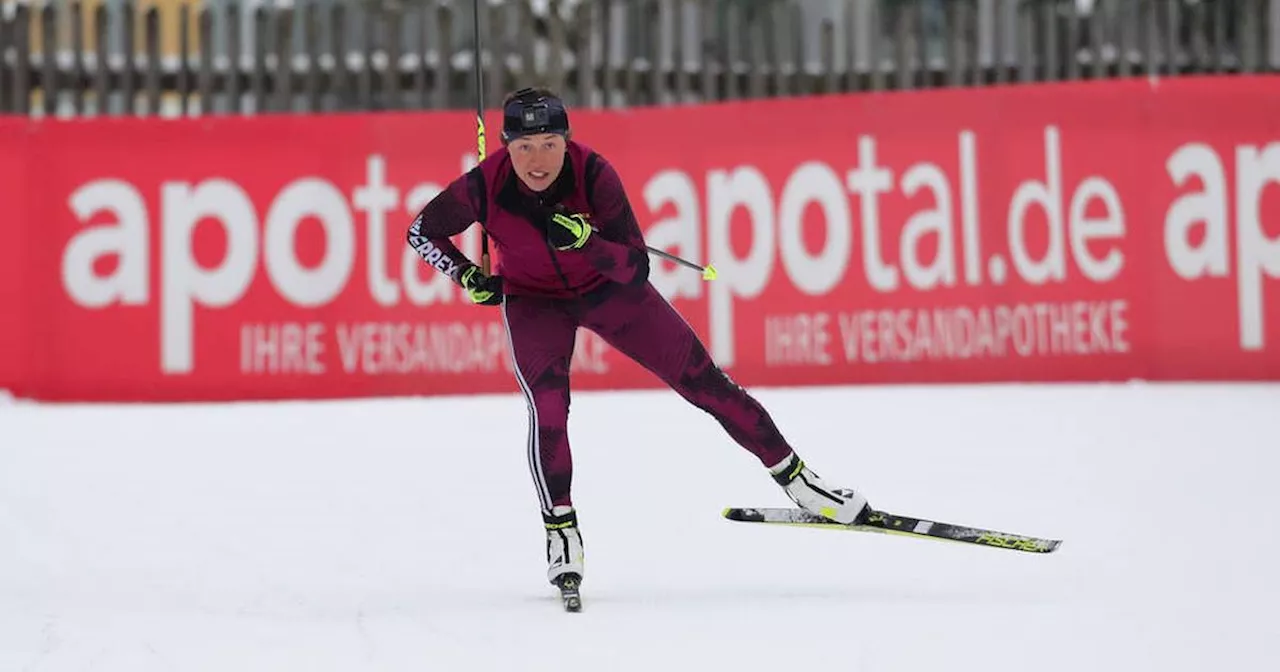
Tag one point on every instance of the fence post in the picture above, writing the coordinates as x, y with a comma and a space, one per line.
665, 32
708, 59
1147, 19
338, 79
1247, 35
311, 97
634, 42
1195, 42
6, 42
151, 37
444, 50
731, 42
830, 58
282, 81
102, 61
522, 51
610, 73
576, 39
924, 78
679, 54
49, 80
205, 75
364, 78
234, 86
1026, 44
394, 87
365, 92
1097, 25
184, 59
953, 49
78, 75
757, 46
499, 21
374, 55
1203, 42
903, 25
1222, 55
999, 35
22, 59
853, 42
1271, 31
420, 99
558, 49
258, 100
129, 45
1126, 19
653, 22
782, 57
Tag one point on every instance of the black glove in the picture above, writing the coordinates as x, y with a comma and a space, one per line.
485, 290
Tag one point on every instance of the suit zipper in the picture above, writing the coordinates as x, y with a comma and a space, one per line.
552, 252
555, 262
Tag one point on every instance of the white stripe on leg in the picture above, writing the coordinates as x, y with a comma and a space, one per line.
535, 443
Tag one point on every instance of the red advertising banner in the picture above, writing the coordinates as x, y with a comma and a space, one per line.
1067, 232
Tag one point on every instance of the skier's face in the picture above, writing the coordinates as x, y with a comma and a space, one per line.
537, 159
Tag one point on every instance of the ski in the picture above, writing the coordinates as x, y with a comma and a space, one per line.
569, 595
891, 523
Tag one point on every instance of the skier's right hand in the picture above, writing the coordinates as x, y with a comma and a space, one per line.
485, 290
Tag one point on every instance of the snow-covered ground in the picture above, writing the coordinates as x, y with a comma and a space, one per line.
404, 535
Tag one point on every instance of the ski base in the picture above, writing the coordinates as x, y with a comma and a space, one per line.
569, 595
891, 523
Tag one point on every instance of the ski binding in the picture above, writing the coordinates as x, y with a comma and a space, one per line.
569, 595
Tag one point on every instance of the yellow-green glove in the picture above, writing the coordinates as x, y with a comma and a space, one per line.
568, 231
485, 290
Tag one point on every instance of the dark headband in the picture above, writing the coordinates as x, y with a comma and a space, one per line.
530, 113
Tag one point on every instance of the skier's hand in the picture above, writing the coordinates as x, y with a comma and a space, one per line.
485, 290
568, 231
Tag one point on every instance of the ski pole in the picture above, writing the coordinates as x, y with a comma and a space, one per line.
480, 150
708, 271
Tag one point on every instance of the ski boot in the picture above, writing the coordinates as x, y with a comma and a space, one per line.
812, 494
565, 557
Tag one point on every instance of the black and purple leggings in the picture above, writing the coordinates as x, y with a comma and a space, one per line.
638, 322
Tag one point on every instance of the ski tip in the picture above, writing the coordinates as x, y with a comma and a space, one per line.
1033, 545
1047, 545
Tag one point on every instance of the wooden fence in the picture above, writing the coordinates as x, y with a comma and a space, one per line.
173, 57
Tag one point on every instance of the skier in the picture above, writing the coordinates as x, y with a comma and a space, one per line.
570, 255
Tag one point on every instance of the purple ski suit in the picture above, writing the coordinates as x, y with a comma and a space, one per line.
604, 287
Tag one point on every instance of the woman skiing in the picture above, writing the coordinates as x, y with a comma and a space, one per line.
571, 255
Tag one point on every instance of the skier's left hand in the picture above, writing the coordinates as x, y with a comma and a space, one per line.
568, 231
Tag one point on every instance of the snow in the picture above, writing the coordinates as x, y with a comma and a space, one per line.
404, 535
